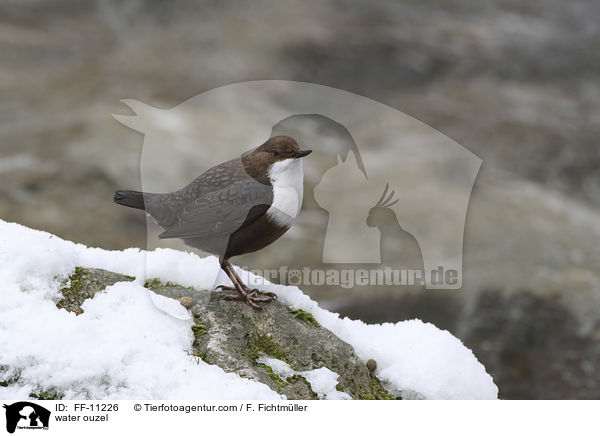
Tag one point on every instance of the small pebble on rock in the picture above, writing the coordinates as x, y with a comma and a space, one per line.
186, 301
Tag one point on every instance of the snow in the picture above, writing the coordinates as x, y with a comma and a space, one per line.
130, 343
322, 380
279, 367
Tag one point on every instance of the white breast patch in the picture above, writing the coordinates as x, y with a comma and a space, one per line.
287, 179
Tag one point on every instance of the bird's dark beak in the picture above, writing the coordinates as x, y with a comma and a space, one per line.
302, 153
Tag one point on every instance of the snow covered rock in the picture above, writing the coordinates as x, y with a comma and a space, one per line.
75, 323
84, 284
234, 337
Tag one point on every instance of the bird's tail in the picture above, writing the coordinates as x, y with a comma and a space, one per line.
133, 199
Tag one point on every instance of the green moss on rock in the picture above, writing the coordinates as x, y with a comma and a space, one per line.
261, 344
376, 392
278, 380
153, 283
75, 284
156, 283
305, 316
199, 328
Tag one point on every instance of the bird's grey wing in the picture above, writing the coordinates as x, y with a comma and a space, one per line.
216, 178
222, 212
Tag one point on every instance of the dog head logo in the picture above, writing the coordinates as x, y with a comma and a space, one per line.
26, 415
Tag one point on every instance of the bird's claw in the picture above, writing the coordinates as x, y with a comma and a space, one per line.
226, 288
246, 298
249, 296
268, 295
256, 294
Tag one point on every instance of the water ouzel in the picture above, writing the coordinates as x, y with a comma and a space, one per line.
237, 207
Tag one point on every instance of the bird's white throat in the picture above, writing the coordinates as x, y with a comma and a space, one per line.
286, 176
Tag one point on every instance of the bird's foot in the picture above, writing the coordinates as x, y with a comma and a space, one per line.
264, 294
248, 299
250, 296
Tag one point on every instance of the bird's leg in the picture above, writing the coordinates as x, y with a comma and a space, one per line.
253, 292
238, 286
250, 297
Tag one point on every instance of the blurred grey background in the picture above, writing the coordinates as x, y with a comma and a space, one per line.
517, 83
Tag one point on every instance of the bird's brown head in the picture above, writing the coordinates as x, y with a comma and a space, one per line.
259, 161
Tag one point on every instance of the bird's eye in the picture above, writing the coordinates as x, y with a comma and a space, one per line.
276, 153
